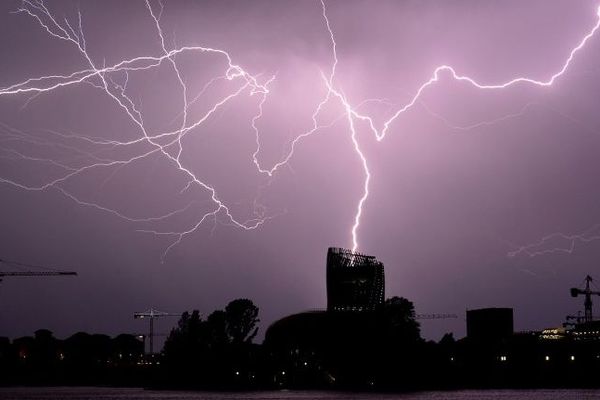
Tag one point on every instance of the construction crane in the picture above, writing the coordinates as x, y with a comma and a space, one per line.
588, 293
577, 318
152, 314
45, 272
570, 318
142, 337
435, 316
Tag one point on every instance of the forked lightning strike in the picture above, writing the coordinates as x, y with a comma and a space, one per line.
380, 134
169, 144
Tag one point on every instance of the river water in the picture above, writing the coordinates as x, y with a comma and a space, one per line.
87, 393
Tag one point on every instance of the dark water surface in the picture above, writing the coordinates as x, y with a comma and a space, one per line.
140, 394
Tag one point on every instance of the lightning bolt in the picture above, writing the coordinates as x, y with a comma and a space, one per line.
548, 244
100, 77
169, 145
353, 114
479, 124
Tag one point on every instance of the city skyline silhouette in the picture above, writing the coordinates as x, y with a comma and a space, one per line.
195, 152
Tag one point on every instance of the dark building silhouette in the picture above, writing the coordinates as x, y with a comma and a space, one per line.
355, 282
489, 324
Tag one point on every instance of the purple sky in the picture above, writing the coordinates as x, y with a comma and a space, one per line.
461, 181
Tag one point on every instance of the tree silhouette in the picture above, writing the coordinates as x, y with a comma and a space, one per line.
184, 342
399, 320
241, 316
207, 352
216, 329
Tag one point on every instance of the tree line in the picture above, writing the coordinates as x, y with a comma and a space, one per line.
378, 350
80, 359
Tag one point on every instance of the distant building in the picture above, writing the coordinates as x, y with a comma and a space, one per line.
489, 324
587, 331
355, 282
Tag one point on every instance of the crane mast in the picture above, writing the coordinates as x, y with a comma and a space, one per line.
588, 293
152, 314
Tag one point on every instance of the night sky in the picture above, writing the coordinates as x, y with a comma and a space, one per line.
477, 197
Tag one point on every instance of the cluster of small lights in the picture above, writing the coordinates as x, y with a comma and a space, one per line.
552, 337
587, 335
148, 362
553, 334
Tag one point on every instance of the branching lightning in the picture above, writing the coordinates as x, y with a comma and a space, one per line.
380, 134
558, 243
479, 124
38, 85
169, 144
